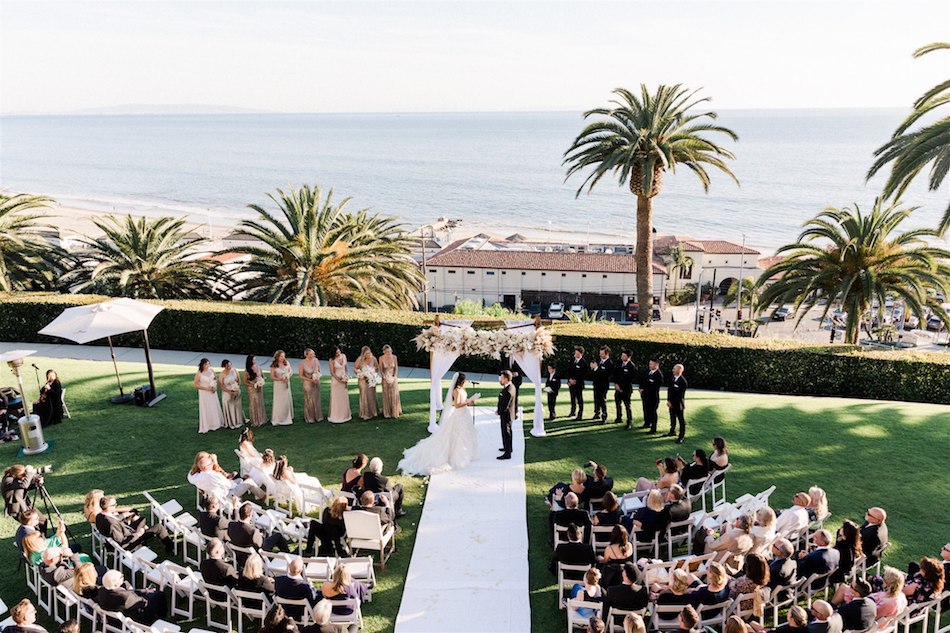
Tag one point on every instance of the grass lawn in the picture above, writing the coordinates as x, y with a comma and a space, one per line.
862, 453
127, 449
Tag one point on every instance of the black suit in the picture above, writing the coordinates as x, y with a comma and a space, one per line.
246, 535
517, 374
603, 373
782, 572
573, 554
675, 512
594, 489
819, 561
676, 396
294, 588
504, 417
858, 615
831, 625
213, 525
623, 383
565, 517
553, 384
15, 494
626, 597
143, 607
122, 531
577, 371
379, 483
650, 385
873, 541
218, 572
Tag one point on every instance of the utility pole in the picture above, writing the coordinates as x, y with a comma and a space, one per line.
699, 289
739, 295
425, 273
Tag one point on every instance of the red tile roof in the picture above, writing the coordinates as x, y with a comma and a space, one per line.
663, 243
722, 247
451, 255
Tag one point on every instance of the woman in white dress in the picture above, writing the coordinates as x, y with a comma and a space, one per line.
210, 417
282, 411
453, 445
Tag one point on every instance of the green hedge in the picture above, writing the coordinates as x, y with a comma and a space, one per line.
713, 361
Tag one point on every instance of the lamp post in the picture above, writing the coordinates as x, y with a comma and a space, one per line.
14, 360
739, 294
699, 289
425, 272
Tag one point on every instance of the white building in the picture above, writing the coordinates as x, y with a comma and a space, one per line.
718, 262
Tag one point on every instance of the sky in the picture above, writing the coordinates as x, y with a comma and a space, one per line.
451, 56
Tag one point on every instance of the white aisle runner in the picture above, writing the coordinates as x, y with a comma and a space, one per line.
469, 567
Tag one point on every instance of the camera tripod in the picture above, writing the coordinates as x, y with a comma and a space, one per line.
41, 492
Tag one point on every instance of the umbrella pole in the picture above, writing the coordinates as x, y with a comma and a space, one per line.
148, 363
115, 366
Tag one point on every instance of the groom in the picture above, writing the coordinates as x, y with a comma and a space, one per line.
506, 411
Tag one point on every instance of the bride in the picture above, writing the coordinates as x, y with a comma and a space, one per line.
454, 443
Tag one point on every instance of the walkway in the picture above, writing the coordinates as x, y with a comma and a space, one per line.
469, 571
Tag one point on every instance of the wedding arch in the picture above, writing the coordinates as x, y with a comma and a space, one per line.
525, 342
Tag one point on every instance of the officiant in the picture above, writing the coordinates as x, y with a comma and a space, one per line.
517, 375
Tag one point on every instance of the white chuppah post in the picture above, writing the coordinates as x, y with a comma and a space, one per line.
440, 363
530, 363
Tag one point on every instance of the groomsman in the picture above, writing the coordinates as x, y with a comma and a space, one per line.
676, 401
517, 374
650, 385
623, 387
603, 372
576, 374
552, 386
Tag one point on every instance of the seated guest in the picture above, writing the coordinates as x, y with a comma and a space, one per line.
754, 580
556, 494
30, 521
796, 621
720, 455
945, 557
208, 477
629, 595
633, 623
129, 529
331, 531
69, 626
926, 582
588, 591
284, 473
818, 504
277, 621
792, 521
696, 470
23, 615
715, 590
858, 612
570, 514
59, 565
374, 481
688, 620
253, 578
50, 405
247, 448
611, 513
783, 570
733, 543
143, 606
619, 551
824, 619
341, 587
650, 519
822, 559
874, 535
210, 520
669, 475
763, 532
597, 484
34, 544
294, 586
368, 504
322, 616
890, 600
574, 552
676, 593
849, 549
86, 581
735, 624
215, 570
90, 508
596, 625
353, 474
678, 508
243, 533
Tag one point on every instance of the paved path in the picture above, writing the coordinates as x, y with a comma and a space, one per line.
469, 571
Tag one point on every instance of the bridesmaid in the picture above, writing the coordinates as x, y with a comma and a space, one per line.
389, 368
310, 375
282, 411
231, 403
210, 417
369, 402
339, 396
254, 381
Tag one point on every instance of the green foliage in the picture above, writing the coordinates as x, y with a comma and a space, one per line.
750, 294
714, 361
27, 262
469, 308
315, 252
585, 316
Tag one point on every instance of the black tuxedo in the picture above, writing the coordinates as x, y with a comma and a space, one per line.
624, 376
650, 385
553, 384
626, 597
565, 517
517, 374
603, 373
295, 588
577, 371
676, 396
573, 554
122, 531
380, 483
873, 541
246, 535
505, 405
213, 525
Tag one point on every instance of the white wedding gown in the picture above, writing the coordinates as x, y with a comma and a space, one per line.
453, 445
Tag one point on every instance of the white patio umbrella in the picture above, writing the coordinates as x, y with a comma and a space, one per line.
83, 324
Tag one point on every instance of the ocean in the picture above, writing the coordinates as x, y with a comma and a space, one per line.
501, 171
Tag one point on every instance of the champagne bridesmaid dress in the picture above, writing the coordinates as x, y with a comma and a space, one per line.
232, 405
369, 400
255, 402
392, 407
210, 417
339, 396
282, 411
312, 407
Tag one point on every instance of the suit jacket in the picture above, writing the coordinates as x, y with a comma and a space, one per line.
831, 625
122, 600
553, 382
376, 483
217, 572
873, 540
295, 588
15, 494
675, 512
263, 584
603, 372
517, 374
626, 597
506, 401
594, 489
676, 393
115, 528
577, 370
61, 573
573, 554
213, 525
576, 516
624, 375
858, 615
650, 383
245, 535
782, 572
819, 561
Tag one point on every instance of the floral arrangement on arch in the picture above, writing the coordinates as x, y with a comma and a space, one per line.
468, 341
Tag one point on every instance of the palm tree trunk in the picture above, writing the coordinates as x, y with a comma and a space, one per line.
644, 258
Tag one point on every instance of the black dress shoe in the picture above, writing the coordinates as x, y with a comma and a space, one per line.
670, 435
504, 456
644, 426
501, 450
652, 432
618, 421
680, 440
628, 427
401, 513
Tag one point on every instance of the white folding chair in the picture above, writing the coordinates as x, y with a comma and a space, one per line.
62, 399
600, 537
679, 533
361, 569
567, 577
940, 609
87, 611
44, 594
614, 618
110, 621
320, 568
217, 596
917, 614
664, 617
576, 621
713, 615
275, 563
782, 599
65, 602
365, 531
343, 620
747, 612
302, 604
814, 585
185, 586
251, 605
643, 547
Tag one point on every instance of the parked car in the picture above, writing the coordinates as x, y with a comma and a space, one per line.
934, 324
556, 310
535, 308
911, 322
781, 314
633, 311
577, 308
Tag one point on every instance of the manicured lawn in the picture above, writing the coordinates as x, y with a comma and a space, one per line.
862, 453
127, 449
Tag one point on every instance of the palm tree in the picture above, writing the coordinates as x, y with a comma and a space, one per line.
850, 258
638, 139
315, 252
750, 294
146, 258
679, 261
911, 151
27, 262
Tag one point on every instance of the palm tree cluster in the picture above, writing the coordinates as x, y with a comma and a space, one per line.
310, 251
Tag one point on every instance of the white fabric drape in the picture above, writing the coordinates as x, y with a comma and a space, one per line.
530, 363
441, 364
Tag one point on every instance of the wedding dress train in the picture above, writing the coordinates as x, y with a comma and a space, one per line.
452, 447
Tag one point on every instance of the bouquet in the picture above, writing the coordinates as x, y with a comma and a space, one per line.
369, 374
259, 382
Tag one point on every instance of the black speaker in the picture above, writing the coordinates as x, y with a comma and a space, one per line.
143, 395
